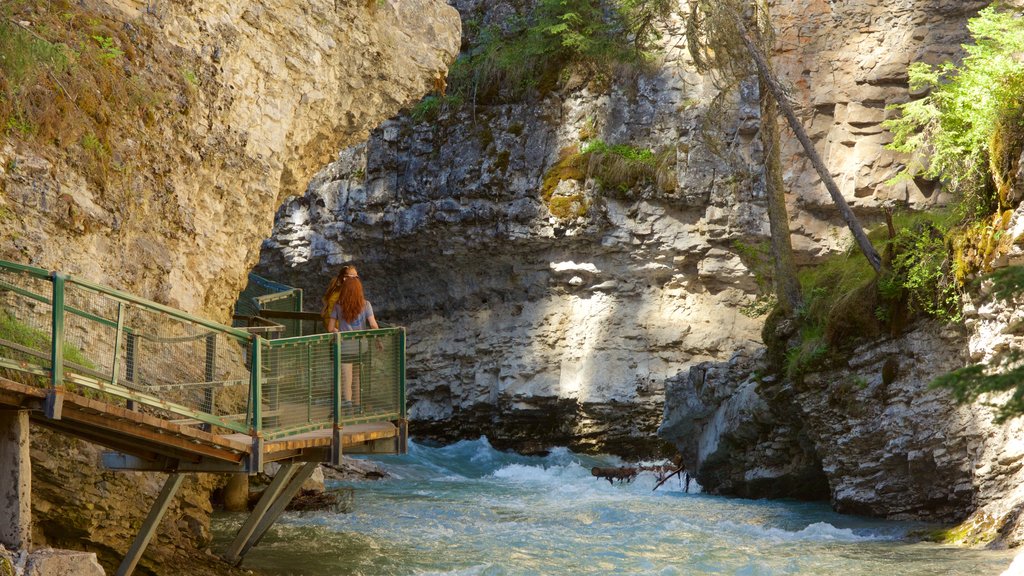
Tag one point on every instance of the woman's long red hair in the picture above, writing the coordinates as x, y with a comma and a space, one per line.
352, 301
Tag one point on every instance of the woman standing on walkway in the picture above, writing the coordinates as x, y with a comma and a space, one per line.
351, 312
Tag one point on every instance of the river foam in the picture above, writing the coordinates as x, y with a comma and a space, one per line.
468, 509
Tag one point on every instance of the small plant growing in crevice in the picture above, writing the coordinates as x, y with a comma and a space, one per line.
109, 50
758, 260
618, 169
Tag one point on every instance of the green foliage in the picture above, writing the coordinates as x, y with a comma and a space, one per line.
624, 151
714, 41
429, 108
21, 53
810, 353
13, 330
92, 144
621, 168
759, 260
71, 82
921, 274
190, 77
426, 109
954, 124
1007, 282
971, 382
618, 168
568, 207
536, 52
109, 50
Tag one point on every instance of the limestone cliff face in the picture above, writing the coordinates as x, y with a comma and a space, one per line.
273, 88
249, 98
871, 433
539, 330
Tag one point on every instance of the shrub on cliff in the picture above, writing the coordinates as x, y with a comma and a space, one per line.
73, 78
969, 126
535, 52
967, 131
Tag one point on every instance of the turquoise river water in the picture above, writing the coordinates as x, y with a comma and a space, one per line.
467, 509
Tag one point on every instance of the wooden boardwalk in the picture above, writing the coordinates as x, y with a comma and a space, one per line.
162, 389
160, 444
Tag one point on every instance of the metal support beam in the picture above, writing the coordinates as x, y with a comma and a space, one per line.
119, 461
337, 439
250, 532
156, 513
402, 441
296, 482
15, 481
382, 446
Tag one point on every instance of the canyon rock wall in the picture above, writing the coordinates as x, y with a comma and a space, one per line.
272, 89
537, 329
248, 99
871, 432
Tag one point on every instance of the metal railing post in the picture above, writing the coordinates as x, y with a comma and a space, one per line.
55, 395
336, 437
115, 364
309, 383
403, 420
401, 374
256, 403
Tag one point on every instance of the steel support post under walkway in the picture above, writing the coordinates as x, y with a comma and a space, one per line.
156, 513
286, 483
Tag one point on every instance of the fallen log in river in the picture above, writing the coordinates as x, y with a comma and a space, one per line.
628, 473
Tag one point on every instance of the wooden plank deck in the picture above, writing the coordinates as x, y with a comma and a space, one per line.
175, 444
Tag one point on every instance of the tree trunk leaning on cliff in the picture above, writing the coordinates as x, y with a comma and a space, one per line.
787, 286
711, 41
767, 78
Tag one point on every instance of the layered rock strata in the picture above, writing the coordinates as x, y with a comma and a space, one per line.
272, 89
537, 329
870, 430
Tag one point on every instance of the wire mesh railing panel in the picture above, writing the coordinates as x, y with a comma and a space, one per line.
184, 362
300, 375
121, 348
25, 322
248, 301
90, 328
374, 361
290, 301
298, 384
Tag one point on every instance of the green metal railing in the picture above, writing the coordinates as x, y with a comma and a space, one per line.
262, 295
66, 333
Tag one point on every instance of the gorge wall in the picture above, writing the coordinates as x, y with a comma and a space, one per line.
541, 330
867, 431
233, 106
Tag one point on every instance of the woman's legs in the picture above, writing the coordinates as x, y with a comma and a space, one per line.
346, 382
